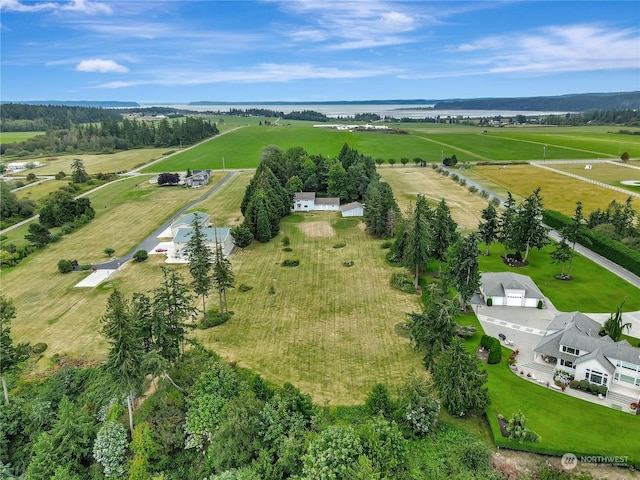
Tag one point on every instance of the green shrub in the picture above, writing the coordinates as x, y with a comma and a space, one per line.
473, 189
86, 266
495, 354
38, 348
540, 304
574, 384
287, 249
244, 288
340, 245
489, 302
593, 388
385, 245
140, 256
602, 390
286, 241
584, 385
65, 266
402, 282
213, 319
348, 263
532, 437
290, 263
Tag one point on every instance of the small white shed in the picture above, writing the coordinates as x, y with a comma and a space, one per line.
353, 209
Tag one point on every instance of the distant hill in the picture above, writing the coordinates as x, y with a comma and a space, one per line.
564, 103
335, 102
81, 103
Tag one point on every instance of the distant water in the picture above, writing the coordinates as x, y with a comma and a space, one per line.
335, 111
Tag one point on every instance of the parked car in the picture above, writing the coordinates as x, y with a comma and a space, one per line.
502, 336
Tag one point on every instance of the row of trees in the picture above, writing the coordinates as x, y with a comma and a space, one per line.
20, 117
115, 134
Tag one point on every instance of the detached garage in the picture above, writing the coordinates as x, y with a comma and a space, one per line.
509, 289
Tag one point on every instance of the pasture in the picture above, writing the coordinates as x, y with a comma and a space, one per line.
609, 173
432, 142
15, 137
559, 192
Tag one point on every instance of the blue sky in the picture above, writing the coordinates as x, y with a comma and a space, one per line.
314, 50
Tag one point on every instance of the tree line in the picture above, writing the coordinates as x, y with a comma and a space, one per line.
21, 117
112, 135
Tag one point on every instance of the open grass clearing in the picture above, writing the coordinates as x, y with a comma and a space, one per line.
408, 182
15, 137
329, 329
592, 290
559, 192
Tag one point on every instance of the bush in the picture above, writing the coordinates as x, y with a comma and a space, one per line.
495, 354
242, 236
65, 266
38, 348
584, 385
402, 282
213, 319
593, 388
532, 437
109, 251
602, 390
489, 301
286, 241
348, 263
574, 384
140, 256
86, 266
340, 245
473, 189
385, 245
291, 263
287, 249
244, 288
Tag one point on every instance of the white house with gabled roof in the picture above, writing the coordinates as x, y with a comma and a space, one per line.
308, 202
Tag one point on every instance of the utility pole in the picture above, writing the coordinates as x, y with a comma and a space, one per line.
223, 164
544, 154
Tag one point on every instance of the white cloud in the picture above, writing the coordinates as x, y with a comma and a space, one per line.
82, 6
566, 48
100, 65
261, 73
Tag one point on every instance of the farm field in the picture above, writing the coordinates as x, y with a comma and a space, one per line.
15, 137
611, 174
432, 142
408, 182
122, 161
559, 192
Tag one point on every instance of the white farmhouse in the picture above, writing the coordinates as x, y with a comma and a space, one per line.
307, 202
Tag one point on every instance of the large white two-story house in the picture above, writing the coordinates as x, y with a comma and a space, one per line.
572, 342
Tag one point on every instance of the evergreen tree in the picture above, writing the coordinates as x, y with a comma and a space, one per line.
223, 277
242, 236
507, 223
419, 238
79, 174
258, 217
572, 232
200, 261
462, 269
38, 235
444, 233
460, 380
171, 310
10, 356
490, 228
433, 330
124, 361
528, 227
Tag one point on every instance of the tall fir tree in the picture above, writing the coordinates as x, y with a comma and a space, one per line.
444, 233
490, 227
200, 261
223, 277
529, 230
463, 272
419, 238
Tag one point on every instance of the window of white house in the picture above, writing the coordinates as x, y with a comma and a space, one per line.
566, 363
570, 350
597, 377
628, 365
626, 378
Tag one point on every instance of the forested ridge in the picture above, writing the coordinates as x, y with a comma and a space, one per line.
20, 117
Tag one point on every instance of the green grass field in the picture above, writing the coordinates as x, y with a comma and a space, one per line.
15, 137
431, 142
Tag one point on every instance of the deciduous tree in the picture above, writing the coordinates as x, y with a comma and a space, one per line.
10, 356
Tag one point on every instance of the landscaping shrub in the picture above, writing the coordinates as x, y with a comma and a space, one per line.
473, 189
584, 385
86, 266
540, 304
339, 245
593, 388
286, 241
489, 302
602, 390
287, 249
495, 354
531, 437
213, 319
290, 263
65, 266
574, 384
244, 288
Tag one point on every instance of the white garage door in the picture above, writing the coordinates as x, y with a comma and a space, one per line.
514, 300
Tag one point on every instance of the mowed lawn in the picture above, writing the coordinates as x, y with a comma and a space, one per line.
609, 173
559, 192
327, 328
15, 137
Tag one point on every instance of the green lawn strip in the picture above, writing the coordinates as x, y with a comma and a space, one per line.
15, 137
564, 423
592, 290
